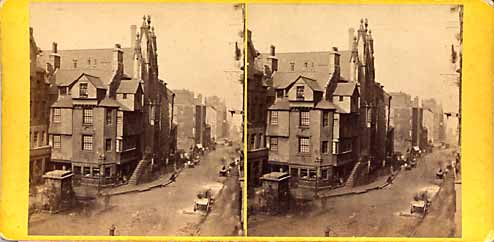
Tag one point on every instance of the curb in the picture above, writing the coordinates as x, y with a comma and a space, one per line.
376, 187
148, 188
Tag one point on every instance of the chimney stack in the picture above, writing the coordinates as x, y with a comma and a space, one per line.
272, 59
133, 32
54, 56
118, 59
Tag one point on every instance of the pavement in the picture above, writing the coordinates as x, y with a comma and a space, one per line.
155, 211
372, 213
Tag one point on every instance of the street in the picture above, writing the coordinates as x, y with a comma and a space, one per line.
377, 213
166, 211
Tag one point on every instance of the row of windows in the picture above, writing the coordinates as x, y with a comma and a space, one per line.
304, 145
304, 118
311, 174
38, 139
91, 171
87, 116
87, 143
256, 141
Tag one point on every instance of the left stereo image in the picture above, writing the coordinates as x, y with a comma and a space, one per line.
136, 119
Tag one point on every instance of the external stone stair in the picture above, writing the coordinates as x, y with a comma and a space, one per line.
138, 171
350, 181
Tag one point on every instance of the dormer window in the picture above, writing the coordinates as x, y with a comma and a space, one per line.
124, 96
300, 93
83, 90
341, 98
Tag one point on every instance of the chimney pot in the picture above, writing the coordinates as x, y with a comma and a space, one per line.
54, 48
273, 50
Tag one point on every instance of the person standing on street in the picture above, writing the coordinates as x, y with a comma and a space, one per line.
112, 230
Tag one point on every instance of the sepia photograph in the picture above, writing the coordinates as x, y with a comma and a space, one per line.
136, 121
354, 116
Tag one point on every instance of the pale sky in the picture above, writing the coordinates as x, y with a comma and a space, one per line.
412, 43
196, 41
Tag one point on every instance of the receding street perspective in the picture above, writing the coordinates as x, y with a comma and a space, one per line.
136, 124
353, 120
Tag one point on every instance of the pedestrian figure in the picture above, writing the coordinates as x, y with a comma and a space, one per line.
327, 231
390, 179
112, 230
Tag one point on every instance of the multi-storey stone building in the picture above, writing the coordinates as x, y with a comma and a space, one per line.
41, 98
329, 115
111, 123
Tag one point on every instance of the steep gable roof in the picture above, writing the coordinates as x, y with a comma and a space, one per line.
345, 88
96, 81
282, 80
128, 86
67, 77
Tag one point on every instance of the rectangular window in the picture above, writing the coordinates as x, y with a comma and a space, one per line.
86, 171
108, 144
303, 145
325, 147
124, 96
83, 90
294, 172
324, 174
96, 172
279, 93
43, 138
304, 118
63, 91
341, 98
325, 118
57, 115
312, 174
273, 143
35, 139
304, 173
87, 142
335, 147
274, 117
57, 141
119, 145
253, 141
87, 116
77, 170
107, 171
292, 66
300, 93
108, 117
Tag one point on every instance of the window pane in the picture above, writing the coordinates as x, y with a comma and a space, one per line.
274, 117
83, 90
273, 144
108, 145
304, 145
294, 172
87, 116
300, 92
57, 115
108, 116
304, 118
57, 141
87, 142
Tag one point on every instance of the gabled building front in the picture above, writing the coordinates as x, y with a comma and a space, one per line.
328, 118
109, 126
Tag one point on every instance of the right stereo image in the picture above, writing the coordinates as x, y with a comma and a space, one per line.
354, 120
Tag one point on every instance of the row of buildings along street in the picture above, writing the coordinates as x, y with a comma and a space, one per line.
322, 128
110, 134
